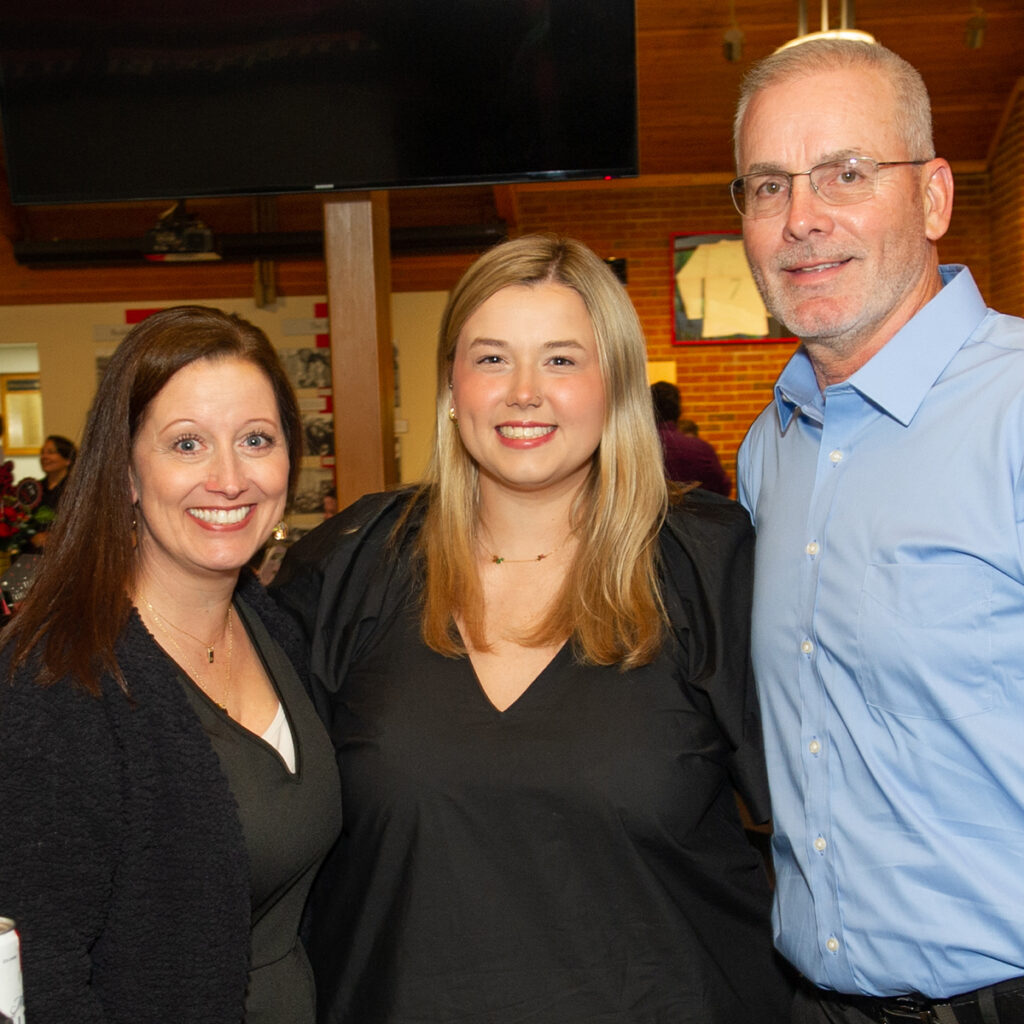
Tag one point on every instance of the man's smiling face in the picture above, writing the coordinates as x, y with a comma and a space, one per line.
847, 277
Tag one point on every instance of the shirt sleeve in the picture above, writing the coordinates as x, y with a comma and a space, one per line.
713, 551
744, 490
335, 582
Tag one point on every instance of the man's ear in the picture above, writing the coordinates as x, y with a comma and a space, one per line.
938, 198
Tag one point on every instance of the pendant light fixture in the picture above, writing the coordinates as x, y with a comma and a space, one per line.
845, 30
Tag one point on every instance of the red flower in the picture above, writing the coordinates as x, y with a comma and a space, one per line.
14, 517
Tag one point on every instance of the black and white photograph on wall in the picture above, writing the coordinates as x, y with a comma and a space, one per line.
307, 367
312, 488
318, 431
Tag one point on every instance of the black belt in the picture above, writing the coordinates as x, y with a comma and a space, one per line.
1002, 1003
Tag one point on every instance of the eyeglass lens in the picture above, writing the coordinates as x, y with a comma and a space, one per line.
838, 182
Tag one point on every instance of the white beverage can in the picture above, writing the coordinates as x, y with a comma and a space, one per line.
12, 999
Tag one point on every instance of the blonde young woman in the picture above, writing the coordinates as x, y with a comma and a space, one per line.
534, 668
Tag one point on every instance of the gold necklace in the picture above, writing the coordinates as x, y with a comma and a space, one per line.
185, 632
499, 560
192, 671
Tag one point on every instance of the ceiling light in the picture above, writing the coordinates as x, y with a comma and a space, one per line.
975, 34
732, 45
845, 30
835, 33
732, 42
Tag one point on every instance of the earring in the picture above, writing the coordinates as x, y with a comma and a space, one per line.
452, 416
281, 531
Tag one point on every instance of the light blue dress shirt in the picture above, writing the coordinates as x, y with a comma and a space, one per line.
889, 649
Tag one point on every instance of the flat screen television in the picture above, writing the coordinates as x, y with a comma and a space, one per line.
114, 100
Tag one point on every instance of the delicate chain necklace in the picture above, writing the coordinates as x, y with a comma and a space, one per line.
499, 560
185, 632
196, 675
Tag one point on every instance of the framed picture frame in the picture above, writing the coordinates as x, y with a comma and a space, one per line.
715, 300
307, 367
21, 402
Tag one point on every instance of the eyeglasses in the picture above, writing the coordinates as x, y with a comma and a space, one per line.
838, 182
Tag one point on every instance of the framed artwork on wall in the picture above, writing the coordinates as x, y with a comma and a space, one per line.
714, 298
22, 406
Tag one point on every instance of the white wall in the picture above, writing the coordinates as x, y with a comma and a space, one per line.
415, 317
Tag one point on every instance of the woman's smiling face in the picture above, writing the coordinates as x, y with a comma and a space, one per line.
209, 470
527, 388
51, 459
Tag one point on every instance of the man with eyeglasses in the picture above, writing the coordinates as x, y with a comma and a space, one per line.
886, 482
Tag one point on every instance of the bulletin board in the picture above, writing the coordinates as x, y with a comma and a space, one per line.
714, 298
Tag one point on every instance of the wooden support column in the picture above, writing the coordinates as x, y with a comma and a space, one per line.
358, 257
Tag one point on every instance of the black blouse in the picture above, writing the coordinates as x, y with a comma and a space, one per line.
289, 821
575, 858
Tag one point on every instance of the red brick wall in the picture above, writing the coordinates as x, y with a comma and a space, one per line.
969, 238
723, 386
1007, 204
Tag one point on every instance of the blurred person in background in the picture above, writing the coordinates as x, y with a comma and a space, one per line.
688, 458
56, 457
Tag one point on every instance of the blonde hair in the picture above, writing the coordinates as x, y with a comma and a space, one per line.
610, 604
911, 103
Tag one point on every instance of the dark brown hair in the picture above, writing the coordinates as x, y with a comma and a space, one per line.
65, 447
668, 405
81, 599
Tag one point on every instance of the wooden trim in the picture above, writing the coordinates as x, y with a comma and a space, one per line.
357, 257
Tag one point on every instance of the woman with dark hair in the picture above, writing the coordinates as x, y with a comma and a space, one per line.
56, 457
168, 791
688, 458
535, 669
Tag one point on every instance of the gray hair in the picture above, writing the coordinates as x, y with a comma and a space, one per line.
913, 107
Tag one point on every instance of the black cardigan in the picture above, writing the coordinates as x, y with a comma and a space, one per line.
122, 859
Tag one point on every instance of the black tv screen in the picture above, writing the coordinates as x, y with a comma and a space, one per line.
113, 100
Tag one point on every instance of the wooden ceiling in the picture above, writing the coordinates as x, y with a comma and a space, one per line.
687, 90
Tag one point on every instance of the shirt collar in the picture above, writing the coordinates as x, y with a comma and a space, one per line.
900, 374
797, 389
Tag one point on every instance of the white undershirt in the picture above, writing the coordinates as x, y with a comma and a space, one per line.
279, 736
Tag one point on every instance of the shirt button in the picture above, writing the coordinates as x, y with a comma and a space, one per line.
820, 844
806, 647
835, 455
832, 945
814, 747
812, 548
